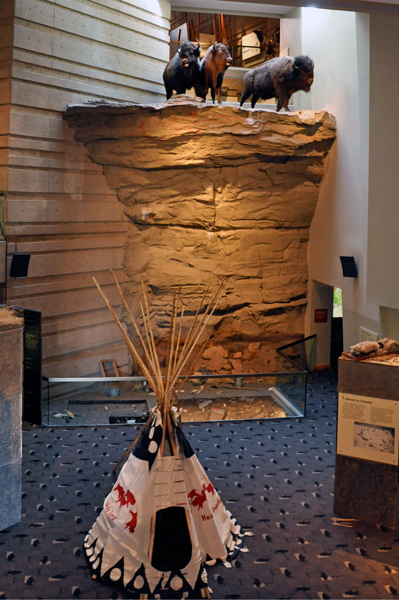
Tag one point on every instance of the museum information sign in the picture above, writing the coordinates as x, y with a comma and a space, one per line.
368, 428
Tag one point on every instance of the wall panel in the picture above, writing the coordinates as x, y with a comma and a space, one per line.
6, 44
59, 206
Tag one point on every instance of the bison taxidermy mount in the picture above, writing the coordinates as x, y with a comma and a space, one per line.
278, 78
212, 69
182, 72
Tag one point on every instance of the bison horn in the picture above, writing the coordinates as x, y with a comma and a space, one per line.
198, 47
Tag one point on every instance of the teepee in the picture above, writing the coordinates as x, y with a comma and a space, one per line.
163, 520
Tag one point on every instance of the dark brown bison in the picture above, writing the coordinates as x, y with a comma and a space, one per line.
212, 69
278, 78
182, 72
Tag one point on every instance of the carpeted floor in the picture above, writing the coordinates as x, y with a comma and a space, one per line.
276, 477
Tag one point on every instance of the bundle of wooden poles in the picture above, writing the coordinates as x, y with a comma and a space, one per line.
179, 356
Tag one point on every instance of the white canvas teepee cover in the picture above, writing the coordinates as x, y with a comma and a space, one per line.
121, 545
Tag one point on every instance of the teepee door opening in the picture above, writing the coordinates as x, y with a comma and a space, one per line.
170, 539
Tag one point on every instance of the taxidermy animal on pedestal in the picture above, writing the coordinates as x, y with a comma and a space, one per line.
182, 72
278, 78
212, 69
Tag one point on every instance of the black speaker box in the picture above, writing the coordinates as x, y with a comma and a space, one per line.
20, 264
349, 267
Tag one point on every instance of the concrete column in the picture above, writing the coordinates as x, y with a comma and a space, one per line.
10, 423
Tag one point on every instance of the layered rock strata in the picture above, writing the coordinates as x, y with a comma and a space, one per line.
213, 192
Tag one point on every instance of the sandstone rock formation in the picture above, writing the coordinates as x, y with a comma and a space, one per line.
214, 192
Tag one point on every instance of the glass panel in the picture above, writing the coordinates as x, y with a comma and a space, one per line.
293, 390
95, 401
114, 400
242, 397
301, 354
104, 401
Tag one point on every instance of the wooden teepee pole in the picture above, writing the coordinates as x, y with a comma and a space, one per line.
151, 351
153, 339
193, 325
200, 351
178, 339
137, 356
193, 332
146, 351
172, 441
207, 315
176, 361
173, 320
168, 388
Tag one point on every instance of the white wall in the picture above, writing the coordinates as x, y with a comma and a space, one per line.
291, 39
383, 240
356, 57
338, 42
320, 296
291, 32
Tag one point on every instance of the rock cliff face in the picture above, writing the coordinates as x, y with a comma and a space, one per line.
214, 192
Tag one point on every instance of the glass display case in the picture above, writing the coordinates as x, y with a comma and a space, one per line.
205, 397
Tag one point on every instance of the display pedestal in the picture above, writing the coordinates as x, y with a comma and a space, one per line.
366, 473
10, 423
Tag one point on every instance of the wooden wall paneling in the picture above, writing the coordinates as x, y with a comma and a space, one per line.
6, 43
59, 207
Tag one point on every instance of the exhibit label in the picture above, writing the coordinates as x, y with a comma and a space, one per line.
368, 428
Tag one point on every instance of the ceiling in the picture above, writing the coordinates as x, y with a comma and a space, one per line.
278, 8
231, 7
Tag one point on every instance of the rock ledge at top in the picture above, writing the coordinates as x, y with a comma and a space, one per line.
213, 192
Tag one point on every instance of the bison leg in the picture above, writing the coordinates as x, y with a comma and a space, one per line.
280, 106
254, 99
283, 102
245, 94
219, 83
169, 92
199, 91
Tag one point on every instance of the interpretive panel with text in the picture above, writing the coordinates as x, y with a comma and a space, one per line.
368, 428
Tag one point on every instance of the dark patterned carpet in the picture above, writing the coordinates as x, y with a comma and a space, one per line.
276, 477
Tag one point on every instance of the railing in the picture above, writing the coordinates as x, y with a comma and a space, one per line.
206, 397
300, 355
